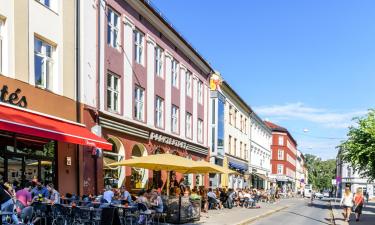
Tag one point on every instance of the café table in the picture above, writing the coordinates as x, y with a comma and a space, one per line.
127, 211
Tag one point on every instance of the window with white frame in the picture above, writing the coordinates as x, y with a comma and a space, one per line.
200, 130
235, 146
281, 140
188, 125
138, 46
189, 81
174, 73
43, 64
113, 28
174, 118
280, 169
230, 144
139, 96
241, 122
159, 112
240, 155
158, 61
235, 118
113, 92
245, 151
280, 154
2, 34
200, 92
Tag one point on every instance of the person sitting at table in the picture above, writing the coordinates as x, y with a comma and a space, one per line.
24, 195
39, 191
7, 204
54, 195
177, 192
187, 192
156, 201
212, 198
126, 195
108, 194
194, 195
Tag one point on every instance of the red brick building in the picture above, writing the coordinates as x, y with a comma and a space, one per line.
284, 155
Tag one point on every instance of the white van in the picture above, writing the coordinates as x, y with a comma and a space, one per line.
308, 190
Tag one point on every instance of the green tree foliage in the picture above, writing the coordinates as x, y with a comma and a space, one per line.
320, 172
359, 148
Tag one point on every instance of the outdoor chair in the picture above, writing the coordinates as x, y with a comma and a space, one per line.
27, 215
145, 215
161, 215
40, 212
212, 203
60, 215
81, 216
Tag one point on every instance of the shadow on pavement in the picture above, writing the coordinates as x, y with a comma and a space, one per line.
320, 221
367, 217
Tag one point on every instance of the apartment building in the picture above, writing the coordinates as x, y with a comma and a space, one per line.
260, 152
147, 94
284, 155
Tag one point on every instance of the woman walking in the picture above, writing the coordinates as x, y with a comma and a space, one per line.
359, 200
347, 203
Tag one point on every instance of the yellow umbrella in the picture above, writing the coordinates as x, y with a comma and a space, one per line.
158, 162
42, 163
206, 167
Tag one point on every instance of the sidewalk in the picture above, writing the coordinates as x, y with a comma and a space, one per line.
367, 218
241, 216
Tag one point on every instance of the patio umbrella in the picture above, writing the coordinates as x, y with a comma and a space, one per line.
158, 162
42, 163
206, 167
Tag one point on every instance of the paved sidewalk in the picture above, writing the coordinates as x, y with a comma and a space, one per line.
241, 216
367, 218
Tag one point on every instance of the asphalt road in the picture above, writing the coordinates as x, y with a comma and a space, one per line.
300, 213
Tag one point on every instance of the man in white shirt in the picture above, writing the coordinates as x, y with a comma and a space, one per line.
108, 194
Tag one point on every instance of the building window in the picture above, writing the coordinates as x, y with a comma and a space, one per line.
241, 122
174, 121
245, 126
2, 34
245, 151
235, 118
281, 140
139, 103
349, 171
188, 125
280, 169
200, 92
138, 46
159, 112
235, 146
230, 144
188, 83
158, 61
230, 115
113, 92
241, 150
280, 154
174, 73
43, 64
200, 130
113, 28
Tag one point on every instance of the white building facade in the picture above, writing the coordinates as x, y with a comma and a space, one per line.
346, 176
260, 153
301, 172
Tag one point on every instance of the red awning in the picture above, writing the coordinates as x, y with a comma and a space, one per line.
27, 122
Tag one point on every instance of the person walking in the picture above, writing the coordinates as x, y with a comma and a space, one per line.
347, 203
359, 201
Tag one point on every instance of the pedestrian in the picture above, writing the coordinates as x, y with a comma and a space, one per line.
367, 196
7, 204
347, 203
358, 203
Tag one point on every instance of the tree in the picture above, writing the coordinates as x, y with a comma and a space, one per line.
359, 148
321, 172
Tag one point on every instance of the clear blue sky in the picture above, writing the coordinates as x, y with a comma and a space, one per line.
305, 64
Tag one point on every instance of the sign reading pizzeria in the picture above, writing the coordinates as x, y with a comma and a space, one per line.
13, 98
167, 140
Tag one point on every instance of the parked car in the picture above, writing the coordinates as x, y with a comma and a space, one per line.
326, 194
319, 195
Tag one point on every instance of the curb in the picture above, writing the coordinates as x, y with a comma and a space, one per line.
247, 221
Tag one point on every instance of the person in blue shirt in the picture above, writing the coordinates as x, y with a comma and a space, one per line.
40, 191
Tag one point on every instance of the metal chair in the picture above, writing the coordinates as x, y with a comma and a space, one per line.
40, 212
60, 215
145, 213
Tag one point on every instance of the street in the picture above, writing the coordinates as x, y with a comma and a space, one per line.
301, 212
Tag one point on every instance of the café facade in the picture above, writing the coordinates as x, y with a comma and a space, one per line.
39, 140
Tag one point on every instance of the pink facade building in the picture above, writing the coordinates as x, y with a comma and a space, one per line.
151, 95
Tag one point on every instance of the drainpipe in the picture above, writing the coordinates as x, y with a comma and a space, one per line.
78, 90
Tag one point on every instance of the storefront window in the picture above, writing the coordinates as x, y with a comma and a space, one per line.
139, 177
24, 159
114, 175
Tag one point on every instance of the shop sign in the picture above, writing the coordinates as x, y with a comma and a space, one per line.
167, 140
12, 98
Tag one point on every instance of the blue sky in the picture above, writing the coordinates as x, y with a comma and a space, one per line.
304, 64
